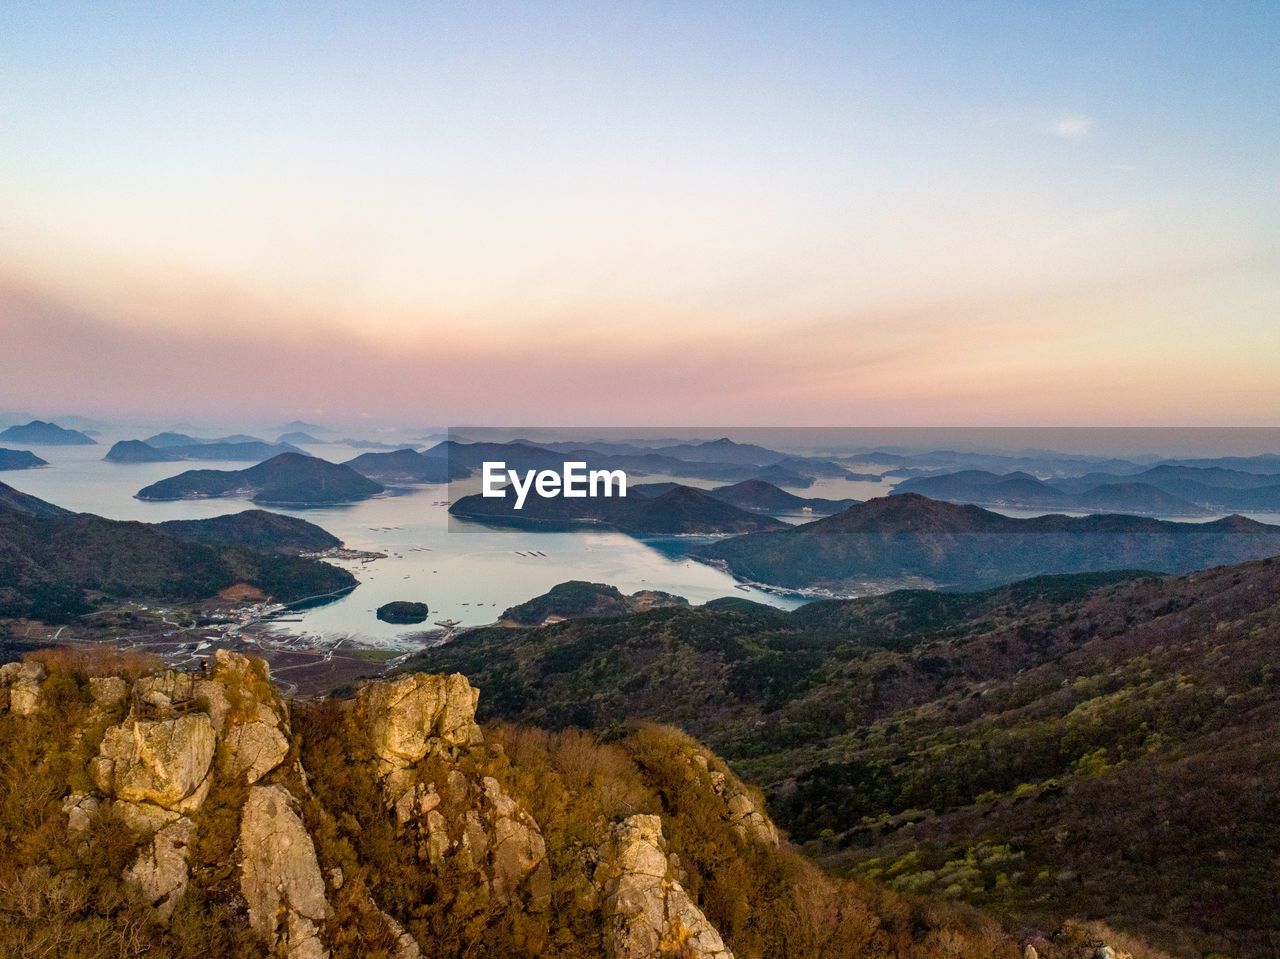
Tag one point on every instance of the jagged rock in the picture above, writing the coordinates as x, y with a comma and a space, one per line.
407, 714
280, 876
165, 762
519, 851
647, 912
750, 822
143, 817
80, 809
23, 681
160, 873
437, 841
490, 835
416, 802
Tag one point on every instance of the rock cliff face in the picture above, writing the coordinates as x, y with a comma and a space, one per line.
183, 754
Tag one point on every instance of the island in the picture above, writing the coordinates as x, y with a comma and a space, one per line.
147, 451
402, 612
407, 466
290, 479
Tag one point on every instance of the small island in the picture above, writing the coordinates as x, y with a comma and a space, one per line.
403, 613
38, 432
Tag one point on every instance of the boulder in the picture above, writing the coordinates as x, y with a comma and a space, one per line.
80, 809
164, 762
280, 875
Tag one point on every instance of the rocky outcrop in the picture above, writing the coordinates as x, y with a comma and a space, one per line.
411, 715
647, 912
162, 762
225, 732
465, 820
155, 769
161, 872
280, 878
21, 681
473, 825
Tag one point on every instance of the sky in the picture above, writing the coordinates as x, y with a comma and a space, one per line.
897, 213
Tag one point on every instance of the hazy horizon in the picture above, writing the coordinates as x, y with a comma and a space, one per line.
830, 214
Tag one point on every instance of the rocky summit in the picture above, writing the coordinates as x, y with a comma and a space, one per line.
152, 812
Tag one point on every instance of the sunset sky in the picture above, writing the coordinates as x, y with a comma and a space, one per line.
846, 213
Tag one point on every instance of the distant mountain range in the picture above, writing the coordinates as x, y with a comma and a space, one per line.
732, 465
290, 479
297, 437
20, 460
681, 510
55, 564
907, 539
40, 433
1167, 490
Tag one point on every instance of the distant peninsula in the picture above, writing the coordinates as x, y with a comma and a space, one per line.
148, 451
578, 599
407, 466
757, 496
290, 479
20, 460
40, 433
682, 510
57, 565
908, 539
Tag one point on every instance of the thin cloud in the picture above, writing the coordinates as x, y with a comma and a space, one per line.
1073, 126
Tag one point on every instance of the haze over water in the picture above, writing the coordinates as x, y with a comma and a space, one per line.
470, 573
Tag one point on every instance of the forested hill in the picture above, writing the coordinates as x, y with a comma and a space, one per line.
1099, 745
